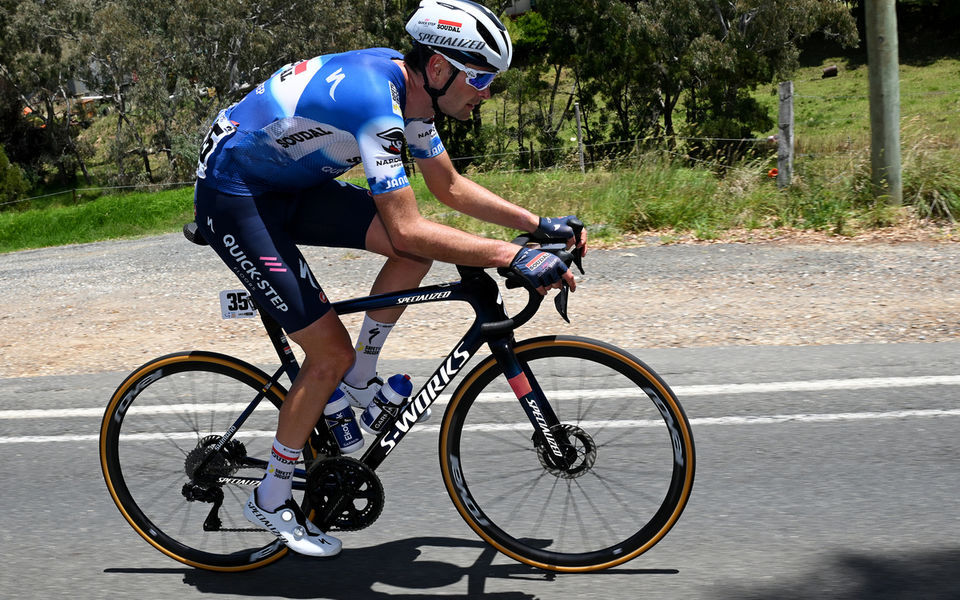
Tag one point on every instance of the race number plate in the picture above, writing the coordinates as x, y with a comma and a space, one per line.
237, 304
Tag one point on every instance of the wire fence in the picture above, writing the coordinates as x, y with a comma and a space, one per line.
576, 155
76, 192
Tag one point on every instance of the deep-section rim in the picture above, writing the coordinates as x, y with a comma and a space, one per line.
681, 481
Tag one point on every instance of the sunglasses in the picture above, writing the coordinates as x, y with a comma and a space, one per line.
479, 80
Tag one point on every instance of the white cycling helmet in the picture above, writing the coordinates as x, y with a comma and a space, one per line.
465, 31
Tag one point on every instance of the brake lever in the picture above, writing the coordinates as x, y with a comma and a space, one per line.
578, 259
560, 301
577, 226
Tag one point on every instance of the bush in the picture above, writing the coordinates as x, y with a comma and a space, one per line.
13, 183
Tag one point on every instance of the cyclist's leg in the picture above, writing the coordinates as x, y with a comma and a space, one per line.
344, 215
400, 271
328, 355
252, 236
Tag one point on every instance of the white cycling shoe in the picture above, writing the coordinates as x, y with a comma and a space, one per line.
362, 397
290, 525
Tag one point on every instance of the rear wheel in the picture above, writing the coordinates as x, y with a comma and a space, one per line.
161, 464
627, 486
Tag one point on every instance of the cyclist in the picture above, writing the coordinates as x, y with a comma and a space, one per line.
266, 182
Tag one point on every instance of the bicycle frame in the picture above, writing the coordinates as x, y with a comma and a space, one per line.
491, 326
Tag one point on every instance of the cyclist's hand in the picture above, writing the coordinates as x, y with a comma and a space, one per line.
544, 271
557, 227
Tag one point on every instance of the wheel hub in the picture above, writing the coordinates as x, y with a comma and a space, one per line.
581, 456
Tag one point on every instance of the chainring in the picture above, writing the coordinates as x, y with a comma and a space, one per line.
343, 494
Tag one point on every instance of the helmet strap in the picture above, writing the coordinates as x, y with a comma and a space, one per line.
435, 93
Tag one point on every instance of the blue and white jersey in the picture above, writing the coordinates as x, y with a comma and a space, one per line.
314, 120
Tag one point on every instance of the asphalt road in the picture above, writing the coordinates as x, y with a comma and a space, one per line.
823, 472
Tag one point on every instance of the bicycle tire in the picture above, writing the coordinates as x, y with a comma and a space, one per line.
623, 417
152, 432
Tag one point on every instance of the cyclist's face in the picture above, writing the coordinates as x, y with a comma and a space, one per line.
461, 97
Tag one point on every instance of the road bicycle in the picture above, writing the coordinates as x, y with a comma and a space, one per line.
561, 452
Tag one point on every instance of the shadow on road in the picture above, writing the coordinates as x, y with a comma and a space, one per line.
354, 573
932, 575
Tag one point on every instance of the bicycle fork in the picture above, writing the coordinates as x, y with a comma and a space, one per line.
550, 438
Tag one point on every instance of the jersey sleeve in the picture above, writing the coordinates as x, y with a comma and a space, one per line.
423, 138
381, 138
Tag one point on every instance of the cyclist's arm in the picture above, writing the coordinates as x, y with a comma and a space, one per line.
410, 232
471, 198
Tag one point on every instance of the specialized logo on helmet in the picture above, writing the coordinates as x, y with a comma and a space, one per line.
394, 138
434, 39
462, 25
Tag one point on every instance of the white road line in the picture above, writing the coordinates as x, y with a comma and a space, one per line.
682, 392
822, 385
699, 422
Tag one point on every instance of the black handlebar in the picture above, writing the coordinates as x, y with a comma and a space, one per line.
553, 245
557, 247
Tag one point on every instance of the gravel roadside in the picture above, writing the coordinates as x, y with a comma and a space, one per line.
111, 306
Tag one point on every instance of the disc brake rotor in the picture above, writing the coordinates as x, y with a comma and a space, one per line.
579, 440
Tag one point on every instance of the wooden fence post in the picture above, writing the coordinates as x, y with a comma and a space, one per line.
576, 109
785, 136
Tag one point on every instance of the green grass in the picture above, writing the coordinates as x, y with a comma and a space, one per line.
108, 217
833, 114
654, 193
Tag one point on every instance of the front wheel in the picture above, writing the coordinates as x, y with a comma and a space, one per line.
627, 487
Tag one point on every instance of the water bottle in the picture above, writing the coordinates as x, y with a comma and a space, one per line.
386, 404
342, 424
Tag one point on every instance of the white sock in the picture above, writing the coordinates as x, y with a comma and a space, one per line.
369, 342
277, 484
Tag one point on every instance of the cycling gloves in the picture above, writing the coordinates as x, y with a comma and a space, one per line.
555, 227
539, 268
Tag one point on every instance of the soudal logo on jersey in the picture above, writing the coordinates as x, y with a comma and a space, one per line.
394, 139
449, 25
301, 136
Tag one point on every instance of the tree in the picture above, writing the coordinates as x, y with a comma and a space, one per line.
715, 52
39, 52
634, 62
927, 25
170, 65
13, 183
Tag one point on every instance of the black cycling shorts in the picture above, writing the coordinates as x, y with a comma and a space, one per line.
257, 237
